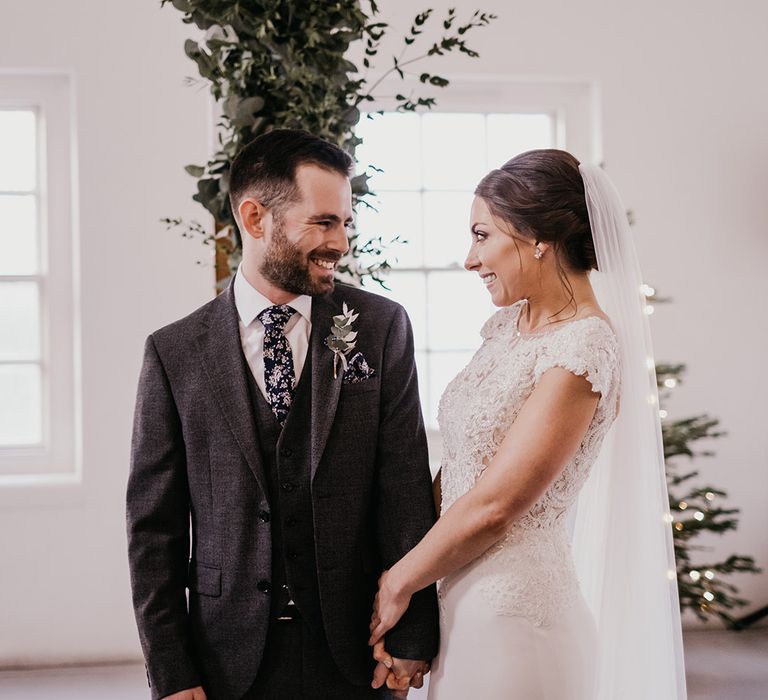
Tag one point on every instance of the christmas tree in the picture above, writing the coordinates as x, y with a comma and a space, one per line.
697, 507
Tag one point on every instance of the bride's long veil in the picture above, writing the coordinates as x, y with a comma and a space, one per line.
622, 535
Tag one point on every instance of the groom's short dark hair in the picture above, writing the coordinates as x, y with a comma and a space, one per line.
266, 168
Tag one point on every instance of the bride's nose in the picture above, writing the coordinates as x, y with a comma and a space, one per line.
471, 262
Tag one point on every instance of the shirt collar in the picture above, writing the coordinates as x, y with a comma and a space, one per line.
250, 302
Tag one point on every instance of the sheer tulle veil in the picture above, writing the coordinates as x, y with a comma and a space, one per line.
622, 538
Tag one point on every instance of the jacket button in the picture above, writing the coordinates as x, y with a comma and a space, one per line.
290, 522
264, 516
288, 486
287, 452
292, 555
264, 586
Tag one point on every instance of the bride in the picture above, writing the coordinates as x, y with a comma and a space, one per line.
537, 604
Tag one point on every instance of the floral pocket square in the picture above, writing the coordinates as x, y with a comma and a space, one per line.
358, 370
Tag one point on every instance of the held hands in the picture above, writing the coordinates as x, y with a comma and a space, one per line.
399, 674
188, 694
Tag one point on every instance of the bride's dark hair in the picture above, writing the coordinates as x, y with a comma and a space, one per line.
541, 194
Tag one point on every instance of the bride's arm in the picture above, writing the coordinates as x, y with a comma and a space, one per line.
542, 440
437, 491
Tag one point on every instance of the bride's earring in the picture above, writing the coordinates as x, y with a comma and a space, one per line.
539, 254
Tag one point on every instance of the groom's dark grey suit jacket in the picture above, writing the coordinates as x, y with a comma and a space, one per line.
198, 507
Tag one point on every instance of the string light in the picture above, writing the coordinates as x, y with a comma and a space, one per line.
647, 290
678, 526
698, 515
670, 383
649, 309
682, 505
709, 496
649, 363
708, 596
695, 575
668, 518
662, 413
709, 574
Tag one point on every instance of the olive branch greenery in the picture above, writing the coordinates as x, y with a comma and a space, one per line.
272, 64
342, 337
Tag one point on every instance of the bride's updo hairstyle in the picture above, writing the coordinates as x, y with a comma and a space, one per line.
541, 194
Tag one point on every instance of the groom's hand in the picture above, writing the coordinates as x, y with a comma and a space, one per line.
399, 674
188, 694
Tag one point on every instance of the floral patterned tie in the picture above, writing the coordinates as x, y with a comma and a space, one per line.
278, 360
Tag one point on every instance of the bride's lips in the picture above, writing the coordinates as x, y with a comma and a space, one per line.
488, 279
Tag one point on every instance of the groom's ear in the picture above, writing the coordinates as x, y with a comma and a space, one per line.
252, 215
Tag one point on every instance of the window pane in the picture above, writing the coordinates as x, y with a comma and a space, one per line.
444, 366
446, 227
459, 305
399, 213
19, 321
18, 150
391, 143
510, 134
18, 235
20, 405
409, 289
454, 151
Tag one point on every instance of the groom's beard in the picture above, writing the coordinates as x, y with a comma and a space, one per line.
287, 267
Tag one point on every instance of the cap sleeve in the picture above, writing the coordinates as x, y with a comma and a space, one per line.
588, 348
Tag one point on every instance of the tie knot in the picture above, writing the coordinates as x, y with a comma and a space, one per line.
274, 318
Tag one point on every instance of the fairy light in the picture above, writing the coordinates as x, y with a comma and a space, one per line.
682, 505
698, 515
649, 309
649, 363
647, 290
709, 496
670, 383
695, 575
709, 574
668, 518
663, 413
709, 596
678, 526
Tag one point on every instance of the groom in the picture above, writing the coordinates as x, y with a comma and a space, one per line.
279, 459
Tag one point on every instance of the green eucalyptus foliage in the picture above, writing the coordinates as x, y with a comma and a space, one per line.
278, 64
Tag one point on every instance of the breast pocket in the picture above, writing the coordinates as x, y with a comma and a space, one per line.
353, 389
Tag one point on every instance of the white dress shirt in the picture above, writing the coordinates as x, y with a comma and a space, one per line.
250, 304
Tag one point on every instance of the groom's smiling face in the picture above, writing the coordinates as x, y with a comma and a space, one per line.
304, 241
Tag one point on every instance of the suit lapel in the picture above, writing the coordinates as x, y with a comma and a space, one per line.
226, 368
325, 389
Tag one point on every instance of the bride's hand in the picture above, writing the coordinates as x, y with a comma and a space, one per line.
388, 607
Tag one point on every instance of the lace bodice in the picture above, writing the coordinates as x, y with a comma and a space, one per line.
530, 570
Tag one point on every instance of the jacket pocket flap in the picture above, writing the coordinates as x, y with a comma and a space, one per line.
204, 579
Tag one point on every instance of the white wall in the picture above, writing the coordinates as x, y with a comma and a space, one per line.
684, 107
64, 592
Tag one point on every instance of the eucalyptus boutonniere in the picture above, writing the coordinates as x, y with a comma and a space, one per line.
342, 337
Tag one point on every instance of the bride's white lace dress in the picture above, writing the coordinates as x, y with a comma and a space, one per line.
514, 625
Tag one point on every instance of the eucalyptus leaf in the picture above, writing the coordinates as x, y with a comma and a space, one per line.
271, 64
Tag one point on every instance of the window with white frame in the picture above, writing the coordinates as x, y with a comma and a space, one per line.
430, 164
37, 367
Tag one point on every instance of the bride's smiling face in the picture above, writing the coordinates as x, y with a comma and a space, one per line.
502, 257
